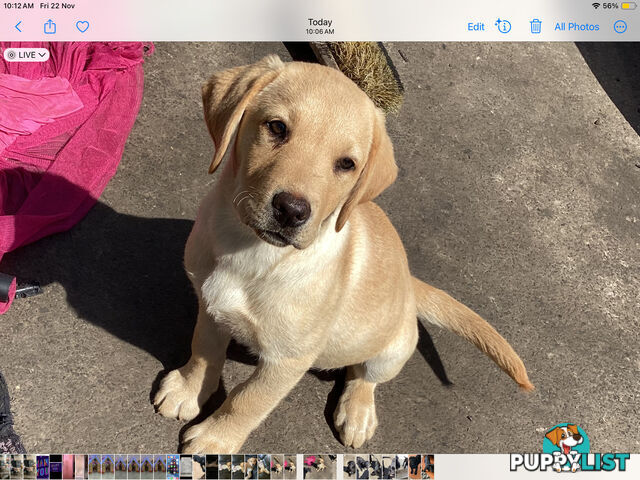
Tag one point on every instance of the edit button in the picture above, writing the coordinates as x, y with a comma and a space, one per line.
475, 27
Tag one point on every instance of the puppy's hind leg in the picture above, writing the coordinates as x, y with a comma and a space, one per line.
355, 416
184, 390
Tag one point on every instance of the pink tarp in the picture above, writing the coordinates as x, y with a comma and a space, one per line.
63, 126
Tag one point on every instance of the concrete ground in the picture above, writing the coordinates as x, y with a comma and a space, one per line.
518, 193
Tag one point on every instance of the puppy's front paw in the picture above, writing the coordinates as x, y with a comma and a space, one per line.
355, 418
213, 435
180, 396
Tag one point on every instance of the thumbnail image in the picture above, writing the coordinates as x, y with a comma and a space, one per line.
42, 467
94, 467
81, 467
250, 467
68, 467
319, 467
375, 466
197, 469
428, 470
211, 467
173, 467
186, 467
224, 467
290, 467
146, 467
133, 466
277, 467
121, 467
16, 467
108, 467
5, 466
402, 467
349, 466
29, 467
388, 467
362, 466
237, 466
415, 466
55, 467
264, 467
160, 467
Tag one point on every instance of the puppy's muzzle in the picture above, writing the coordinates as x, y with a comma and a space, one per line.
290, 210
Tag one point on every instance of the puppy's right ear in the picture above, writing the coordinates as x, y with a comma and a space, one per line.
226, 96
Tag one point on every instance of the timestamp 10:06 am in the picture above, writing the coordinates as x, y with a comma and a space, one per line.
319, 31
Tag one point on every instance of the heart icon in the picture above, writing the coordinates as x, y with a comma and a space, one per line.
82, 25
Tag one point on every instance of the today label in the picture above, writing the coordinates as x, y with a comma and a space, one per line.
320, 22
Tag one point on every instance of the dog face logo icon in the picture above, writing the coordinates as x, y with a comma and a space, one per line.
565, 437
567, 442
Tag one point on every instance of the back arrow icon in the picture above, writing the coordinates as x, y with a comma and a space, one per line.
18, 26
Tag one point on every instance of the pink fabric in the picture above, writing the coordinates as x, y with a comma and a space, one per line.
56, 160
26, 105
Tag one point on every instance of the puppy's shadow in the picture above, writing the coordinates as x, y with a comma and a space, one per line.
427, 349
120, 272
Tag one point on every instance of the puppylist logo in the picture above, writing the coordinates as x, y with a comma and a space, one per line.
565, 448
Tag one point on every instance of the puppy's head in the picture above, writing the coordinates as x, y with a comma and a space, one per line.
565, 437
309, 143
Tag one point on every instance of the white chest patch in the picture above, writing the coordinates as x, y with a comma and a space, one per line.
225, 295
224, 292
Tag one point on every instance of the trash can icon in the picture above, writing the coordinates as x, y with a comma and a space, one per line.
536, 26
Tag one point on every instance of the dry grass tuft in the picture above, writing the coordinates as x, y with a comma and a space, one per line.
366, 64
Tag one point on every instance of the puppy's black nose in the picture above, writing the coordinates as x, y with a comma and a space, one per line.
289, 210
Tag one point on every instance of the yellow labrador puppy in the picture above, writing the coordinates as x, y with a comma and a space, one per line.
290, 256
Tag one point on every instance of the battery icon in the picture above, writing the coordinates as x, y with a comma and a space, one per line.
629, 5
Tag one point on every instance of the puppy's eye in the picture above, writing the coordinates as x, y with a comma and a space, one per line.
277, 128
345, 164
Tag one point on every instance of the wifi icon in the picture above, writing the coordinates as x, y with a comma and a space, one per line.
595, 5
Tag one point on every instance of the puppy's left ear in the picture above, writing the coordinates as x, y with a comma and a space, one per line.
226, 96
554, 436
379, 172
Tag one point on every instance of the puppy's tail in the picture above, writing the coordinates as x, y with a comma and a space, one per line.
437, 307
